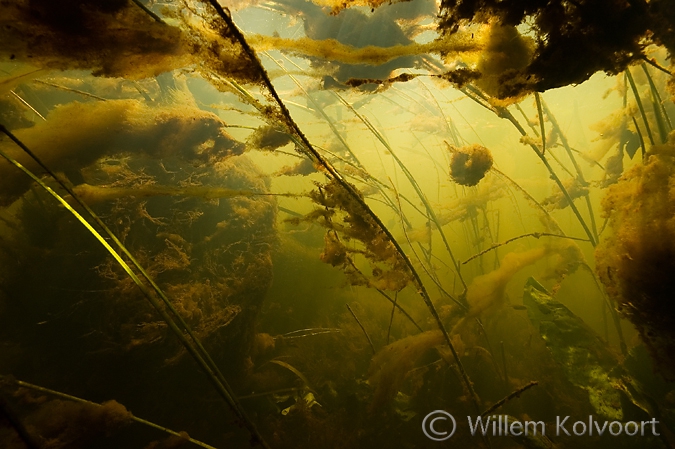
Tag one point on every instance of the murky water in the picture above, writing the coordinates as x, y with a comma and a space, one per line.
303, 225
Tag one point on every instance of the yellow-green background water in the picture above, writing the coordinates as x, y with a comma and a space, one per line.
344, 291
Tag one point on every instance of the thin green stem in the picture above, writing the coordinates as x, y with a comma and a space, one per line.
639, 104
657, 95
541, 122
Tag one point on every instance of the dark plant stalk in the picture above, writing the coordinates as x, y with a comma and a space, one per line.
512, 395
652, 62
391, 318
612, 310
541, 122
396, 305
155, 17
370, 342
506, 373
489, 346
643, 149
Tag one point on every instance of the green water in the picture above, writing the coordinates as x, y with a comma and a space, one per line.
327, 230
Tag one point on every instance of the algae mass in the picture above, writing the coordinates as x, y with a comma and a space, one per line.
313, 224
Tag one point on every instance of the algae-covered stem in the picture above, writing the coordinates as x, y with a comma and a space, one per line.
227, 18
512, 395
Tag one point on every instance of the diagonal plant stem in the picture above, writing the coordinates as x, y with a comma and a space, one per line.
363, 329
636, 94
349, 189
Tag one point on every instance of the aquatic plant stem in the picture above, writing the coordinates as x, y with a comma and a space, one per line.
489, 345
643, 149
506, 372
25, 104
396, 305
530, 198
652, 62
198, 353
537, 99
660, 112
333, 173
512, 395
69, 89
536, 235
155, 17
370, 342
612, 310
20, 383
391, 318
641, 108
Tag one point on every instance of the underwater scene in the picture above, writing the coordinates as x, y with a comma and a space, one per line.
337, 224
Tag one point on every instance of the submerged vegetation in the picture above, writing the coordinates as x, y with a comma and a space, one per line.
191, 192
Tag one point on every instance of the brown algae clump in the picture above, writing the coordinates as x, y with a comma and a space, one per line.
77, 134
469, 164
637, 262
